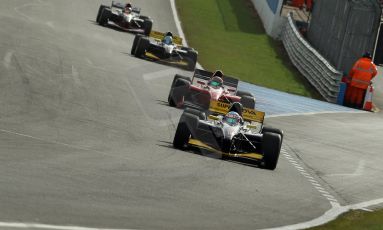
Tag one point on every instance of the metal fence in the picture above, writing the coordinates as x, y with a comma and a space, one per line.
318, 71
342, 30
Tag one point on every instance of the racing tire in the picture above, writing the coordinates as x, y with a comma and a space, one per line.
201, 115
178, 76
241, 93
267, 129
99, 12
248, 102
104, 17
178, 91
183, 132
148, 24
142, 45
271, 145
192, 55
135, 41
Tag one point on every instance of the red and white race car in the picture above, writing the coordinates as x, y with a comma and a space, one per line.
205, 87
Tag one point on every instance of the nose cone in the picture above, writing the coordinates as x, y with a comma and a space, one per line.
215, 94
229, 131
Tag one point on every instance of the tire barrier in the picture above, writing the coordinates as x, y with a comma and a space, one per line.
316, 69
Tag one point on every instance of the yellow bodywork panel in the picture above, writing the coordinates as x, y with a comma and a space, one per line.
152, 56
159, 36
247, 114
200, 144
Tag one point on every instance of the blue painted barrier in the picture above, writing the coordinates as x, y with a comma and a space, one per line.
342, 92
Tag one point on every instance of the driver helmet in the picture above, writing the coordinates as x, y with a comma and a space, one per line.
128, 7
169, 34
218, 73
236, 107
168, 38
216, 82
232, 118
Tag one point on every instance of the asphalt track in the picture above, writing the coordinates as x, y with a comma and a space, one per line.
85, 137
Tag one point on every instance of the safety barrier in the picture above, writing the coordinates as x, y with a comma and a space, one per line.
318, 71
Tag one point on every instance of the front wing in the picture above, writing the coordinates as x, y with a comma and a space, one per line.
172, 61
201, 145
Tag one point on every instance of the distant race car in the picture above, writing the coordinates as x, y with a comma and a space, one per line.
166, 48
232, 132
124, 17
205, 87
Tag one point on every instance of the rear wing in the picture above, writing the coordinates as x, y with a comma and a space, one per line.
247, 114
159, 36
121, 6
230, 83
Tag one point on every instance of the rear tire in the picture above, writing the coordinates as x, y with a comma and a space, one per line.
271, 148
192, 55
241, 93
248, 102
99, 12
201, 115
148, 24
104, 17
142, 45
135, 41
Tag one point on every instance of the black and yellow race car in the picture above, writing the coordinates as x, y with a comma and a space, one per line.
232, 132
165, 48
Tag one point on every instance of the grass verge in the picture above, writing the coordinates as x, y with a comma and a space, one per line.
355, 220
229, 35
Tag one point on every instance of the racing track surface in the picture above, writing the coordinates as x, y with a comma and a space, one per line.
85, 137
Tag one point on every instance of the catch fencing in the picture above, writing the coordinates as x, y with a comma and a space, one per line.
317, 70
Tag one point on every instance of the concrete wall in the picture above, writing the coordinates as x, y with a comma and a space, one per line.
269, 11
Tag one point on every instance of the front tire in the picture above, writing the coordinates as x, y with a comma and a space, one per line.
178, 91
142, 45
271, 145
186, 125
135, 41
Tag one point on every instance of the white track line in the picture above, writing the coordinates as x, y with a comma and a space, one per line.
325, 194
330, 215
179, 27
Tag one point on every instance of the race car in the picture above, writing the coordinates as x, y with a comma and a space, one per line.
166, 48
230, 131
124, 17
205, 87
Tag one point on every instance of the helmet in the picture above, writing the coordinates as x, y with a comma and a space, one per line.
216, 82
128, 5
367, 55
232, 118
218, 73
236, 107
169, 34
